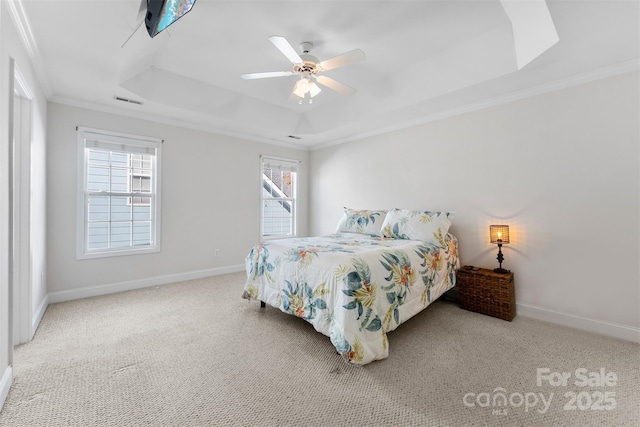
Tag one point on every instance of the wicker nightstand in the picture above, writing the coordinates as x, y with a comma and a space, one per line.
487, 292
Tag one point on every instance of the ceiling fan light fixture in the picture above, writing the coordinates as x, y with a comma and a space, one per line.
314, 89
308, 68
301, 88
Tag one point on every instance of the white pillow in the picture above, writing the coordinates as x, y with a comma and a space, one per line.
427, 226
361, 221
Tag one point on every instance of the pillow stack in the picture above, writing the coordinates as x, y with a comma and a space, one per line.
427, 226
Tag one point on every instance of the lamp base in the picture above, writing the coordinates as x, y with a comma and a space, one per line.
501, 270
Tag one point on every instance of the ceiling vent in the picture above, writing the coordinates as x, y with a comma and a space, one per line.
130, 101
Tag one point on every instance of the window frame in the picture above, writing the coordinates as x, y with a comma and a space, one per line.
293, 166
127, 140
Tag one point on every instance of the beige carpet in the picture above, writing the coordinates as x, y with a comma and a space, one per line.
196, 354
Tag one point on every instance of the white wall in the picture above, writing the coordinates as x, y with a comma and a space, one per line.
562, 169
210, 200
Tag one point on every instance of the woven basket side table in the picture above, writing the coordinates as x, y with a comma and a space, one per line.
487, 292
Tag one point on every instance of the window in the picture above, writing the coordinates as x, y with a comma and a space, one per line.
278, 216
118, 194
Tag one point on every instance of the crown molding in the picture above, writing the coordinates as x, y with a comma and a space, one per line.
579, 79
611, 71
21, 21
171, 122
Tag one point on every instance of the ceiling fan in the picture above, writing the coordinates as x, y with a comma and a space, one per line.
309, 68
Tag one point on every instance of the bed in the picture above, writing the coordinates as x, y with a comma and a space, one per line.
356, 286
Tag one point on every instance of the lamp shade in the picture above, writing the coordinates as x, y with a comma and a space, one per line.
499, 233
314, 89
301, 88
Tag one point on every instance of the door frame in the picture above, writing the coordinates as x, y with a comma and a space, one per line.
20, 280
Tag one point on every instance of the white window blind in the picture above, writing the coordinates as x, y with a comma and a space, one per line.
118, 194
278, 189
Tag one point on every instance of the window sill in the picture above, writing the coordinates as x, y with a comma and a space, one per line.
115, 253
265, 238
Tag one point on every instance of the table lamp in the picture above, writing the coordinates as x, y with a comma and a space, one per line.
499, 234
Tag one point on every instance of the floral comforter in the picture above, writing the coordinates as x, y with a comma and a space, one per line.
352, 287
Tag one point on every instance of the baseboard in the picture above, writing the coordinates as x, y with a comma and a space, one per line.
616, 330
5, 385
37, 316
93, 291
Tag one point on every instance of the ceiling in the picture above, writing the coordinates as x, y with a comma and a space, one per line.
424, 59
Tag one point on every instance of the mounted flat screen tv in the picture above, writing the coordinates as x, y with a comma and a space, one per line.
162, 13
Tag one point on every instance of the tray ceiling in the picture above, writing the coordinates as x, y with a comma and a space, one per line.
424, 59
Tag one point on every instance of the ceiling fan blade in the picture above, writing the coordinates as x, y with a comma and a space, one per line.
341, 60
285, 47
251, 76
335, 85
